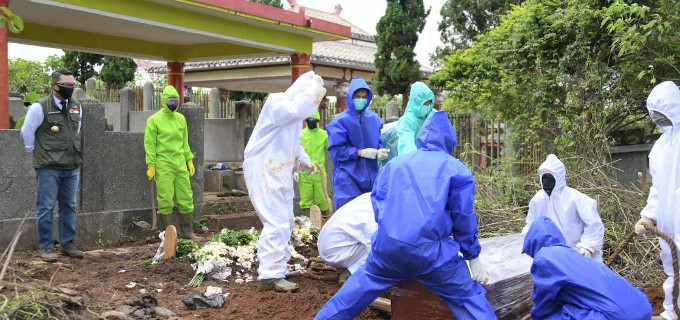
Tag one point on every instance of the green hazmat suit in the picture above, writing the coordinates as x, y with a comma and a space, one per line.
315, 143
166, 142
29, 99
416, 113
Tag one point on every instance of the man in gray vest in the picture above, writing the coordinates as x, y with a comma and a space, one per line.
51, 132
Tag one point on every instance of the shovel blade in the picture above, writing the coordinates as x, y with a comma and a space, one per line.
144, 225
315, 216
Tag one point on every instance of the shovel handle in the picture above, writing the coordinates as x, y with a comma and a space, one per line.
153, 205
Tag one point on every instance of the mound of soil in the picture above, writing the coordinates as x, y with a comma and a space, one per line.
108, 278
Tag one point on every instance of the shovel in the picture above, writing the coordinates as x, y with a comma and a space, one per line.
143, 224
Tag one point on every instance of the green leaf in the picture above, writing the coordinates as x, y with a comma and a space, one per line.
16, 22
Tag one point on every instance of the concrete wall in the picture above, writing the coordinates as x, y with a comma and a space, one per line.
138, 120
16, 108
113, 191
112, 114
220, 142
630, 160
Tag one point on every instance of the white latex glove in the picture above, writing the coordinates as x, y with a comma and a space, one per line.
368, 153
640, 228
382, 153
478, 271
296, 176
587, 252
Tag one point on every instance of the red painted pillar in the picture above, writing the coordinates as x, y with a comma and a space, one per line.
176, 78
4, 76
299, 63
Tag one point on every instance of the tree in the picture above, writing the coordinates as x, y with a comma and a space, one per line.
273, 3
463, 20
27, 75
82, 64
54, 62
397, 34
116, 72
576, 70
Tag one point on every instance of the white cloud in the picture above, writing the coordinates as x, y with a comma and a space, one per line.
35, 53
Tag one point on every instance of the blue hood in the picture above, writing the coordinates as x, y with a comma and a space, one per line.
542, 233
354, 85
437, 133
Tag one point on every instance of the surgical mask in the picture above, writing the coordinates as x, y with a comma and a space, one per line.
424, 111
359, 104
548, 184
65, 92
661, 120
172, 103
311, 123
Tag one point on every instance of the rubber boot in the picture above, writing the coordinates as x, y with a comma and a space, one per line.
282, 285
166, 220
186, 224
344, 276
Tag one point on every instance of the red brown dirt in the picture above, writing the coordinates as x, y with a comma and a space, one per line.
101, 282
656, 296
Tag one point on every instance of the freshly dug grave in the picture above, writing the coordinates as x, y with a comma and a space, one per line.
108, 278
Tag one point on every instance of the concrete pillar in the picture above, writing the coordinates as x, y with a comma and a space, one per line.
244, 114
391, 111
195, 116
214, 104
299, 63
147, 93
176, 77
90, 85
79, 94
127, 104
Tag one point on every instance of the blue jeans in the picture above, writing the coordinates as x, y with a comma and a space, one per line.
53, 185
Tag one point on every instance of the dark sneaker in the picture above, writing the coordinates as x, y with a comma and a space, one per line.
71, 251
48, 255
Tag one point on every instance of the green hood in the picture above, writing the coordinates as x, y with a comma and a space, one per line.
420, 94
31, 97
316, 116
168, 92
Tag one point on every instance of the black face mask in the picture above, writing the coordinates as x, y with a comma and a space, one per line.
172, 107
311, 123
65, 92
548, 184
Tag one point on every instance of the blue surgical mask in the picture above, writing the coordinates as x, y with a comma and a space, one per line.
359, 104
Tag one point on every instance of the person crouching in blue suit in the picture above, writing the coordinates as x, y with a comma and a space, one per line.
420, 200
568, 285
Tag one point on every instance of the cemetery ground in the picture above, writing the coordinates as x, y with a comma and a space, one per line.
113, 278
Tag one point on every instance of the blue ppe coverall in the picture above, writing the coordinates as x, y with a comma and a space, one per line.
348, 133
420, 200
568, 285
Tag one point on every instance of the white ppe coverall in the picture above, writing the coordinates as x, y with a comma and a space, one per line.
663, 202
574, 213
345, 239
272, 152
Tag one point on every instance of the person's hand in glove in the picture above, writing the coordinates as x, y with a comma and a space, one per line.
296, 176
308, 167
368, 153
639, 226
587, 252
151, 173
478, 271
192, 169
382, 153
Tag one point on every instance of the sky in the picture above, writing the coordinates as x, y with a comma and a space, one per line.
356, 11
